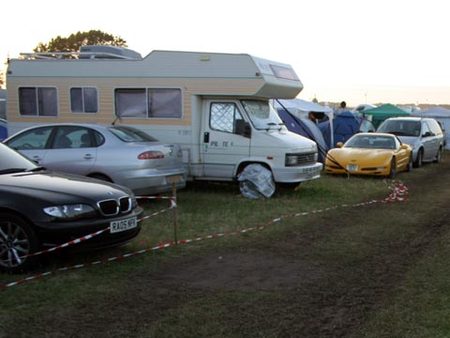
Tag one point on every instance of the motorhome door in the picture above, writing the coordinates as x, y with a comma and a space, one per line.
223, 143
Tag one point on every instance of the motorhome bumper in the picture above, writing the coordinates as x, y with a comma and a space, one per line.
297, 174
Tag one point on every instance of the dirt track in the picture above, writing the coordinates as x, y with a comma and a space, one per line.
298, 294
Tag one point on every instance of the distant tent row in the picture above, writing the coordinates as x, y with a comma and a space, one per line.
294, 114
381, 113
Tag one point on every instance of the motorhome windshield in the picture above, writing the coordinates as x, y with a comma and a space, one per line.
262, 114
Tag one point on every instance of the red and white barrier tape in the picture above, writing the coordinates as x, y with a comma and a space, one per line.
399, 193
96, 233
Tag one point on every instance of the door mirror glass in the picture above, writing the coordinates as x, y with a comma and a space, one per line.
243, 128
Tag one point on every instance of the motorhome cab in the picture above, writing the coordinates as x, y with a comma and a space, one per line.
216, 106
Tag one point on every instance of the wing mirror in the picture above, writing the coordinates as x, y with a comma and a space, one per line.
339, 144
243, 128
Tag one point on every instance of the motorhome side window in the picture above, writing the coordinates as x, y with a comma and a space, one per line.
223, 116
148, 102
83, 100
38, 101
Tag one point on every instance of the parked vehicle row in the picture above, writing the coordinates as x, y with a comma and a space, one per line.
399, 144
118, 154
95, 173
41, 209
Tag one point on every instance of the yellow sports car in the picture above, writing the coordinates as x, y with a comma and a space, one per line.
370, 154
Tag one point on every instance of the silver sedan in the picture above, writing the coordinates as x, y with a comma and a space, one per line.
119, 154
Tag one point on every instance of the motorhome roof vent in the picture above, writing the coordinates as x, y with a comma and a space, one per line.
107, 52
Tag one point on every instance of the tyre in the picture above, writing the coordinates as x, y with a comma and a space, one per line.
256, 181
438, 157
409, 166
419, 160
17, 240
393, 168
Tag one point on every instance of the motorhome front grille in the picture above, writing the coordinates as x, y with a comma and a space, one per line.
300, 159
114, 207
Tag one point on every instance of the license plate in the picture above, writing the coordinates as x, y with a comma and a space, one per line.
352, 167
174, 179
123, 225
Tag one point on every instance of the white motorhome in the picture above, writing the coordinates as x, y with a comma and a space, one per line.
215, 105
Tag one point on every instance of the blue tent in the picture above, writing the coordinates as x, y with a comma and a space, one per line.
345, 125
306, 128
3, 129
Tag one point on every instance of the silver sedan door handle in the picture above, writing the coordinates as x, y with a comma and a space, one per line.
88, 157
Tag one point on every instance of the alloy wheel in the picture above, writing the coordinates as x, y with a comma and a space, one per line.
14, 244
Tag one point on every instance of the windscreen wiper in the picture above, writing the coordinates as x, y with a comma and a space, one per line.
37, 169
12, 170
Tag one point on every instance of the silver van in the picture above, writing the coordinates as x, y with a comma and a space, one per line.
424, 135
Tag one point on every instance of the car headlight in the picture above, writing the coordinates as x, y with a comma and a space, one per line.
70, 211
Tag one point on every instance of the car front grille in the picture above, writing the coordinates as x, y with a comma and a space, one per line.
114, 207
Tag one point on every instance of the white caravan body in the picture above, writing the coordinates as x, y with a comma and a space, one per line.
214, 105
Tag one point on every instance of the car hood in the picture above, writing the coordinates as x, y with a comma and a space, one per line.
52, 185
361, 156
411, 140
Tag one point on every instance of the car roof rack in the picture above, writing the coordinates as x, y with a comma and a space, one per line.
87, 52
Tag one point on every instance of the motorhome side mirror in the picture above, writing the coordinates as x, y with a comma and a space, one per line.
243, 128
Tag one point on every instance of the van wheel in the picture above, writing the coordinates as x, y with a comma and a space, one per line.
393, 168
17, 240
419, 160
256, 181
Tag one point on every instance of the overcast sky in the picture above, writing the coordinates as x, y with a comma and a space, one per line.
360, 51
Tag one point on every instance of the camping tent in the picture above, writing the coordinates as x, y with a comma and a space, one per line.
301, 107
306, 128
2, 103
3, 129
345, 124
294, 114
440, 114
381, 113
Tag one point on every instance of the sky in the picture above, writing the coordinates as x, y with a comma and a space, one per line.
360, 51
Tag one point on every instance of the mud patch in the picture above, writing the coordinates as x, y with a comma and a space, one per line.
245, 270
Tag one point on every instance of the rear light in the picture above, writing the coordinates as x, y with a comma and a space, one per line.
150, 155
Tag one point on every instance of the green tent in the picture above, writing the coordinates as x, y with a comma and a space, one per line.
381, 113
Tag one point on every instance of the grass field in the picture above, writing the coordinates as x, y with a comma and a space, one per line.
376, 271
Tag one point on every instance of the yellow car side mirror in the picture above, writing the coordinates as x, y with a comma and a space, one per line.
339, 144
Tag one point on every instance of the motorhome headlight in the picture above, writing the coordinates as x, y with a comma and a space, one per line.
291, 160
299, 159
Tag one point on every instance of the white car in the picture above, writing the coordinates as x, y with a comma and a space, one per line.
424, 135
118, 154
